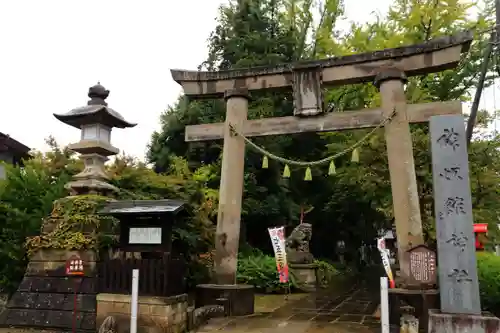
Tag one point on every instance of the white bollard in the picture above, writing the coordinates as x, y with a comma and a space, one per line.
134, 301
384, 305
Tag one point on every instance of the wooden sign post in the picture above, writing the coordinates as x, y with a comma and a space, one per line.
74, 267
422, 267
388, 69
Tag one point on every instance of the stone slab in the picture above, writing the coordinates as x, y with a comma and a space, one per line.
63, 255
47, 319
458, 281
53, 301
55, 268
86, 285
461, 323
155, 314
149, 300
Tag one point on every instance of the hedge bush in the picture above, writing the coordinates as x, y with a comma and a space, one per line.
488, 267
259, 270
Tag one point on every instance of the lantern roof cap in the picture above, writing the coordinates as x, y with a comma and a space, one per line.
143, 207
96, 111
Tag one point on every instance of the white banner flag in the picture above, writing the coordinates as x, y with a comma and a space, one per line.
278, 240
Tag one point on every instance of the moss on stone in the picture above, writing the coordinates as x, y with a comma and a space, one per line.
74, 224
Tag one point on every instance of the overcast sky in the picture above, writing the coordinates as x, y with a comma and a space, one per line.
52, 51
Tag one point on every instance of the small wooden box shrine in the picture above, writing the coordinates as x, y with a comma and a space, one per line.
145, 243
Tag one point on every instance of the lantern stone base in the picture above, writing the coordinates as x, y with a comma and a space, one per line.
45, 298
238, 299
460, 323
154, 315
305, 276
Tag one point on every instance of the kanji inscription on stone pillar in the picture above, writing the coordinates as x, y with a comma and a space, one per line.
458, 282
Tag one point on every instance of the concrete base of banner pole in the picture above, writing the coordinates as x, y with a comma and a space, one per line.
462, 323
238, 299
306, 276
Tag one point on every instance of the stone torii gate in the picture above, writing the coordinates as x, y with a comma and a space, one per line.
388, 69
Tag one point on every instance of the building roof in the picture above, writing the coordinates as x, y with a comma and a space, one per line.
9, 144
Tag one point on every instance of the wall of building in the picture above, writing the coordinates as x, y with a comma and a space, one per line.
5, 157
155, 314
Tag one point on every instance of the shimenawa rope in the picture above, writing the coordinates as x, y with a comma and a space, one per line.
318, 162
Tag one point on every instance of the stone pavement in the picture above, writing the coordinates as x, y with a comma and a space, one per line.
351, 310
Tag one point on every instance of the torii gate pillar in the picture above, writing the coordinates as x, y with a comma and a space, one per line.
405, 200
231, 188
237, 299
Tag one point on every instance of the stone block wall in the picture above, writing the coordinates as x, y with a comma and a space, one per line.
155, 314
45, 297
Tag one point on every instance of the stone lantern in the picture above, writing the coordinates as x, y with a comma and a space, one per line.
95, 120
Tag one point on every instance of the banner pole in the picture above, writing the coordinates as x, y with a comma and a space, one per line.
134, 300
384, 305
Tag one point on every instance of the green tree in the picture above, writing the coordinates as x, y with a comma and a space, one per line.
250, 33
357, 201
28, 193
411, 22
26, 196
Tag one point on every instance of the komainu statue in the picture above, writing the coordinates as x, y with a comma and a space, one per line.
297, 245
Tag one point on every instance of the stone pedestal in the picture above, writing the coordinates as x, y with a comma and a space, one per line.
461, 323
238, 298
155, 314
305, 276
45, 297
